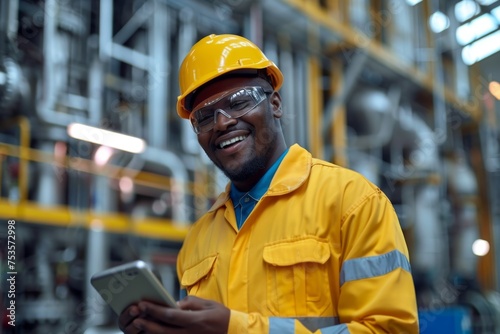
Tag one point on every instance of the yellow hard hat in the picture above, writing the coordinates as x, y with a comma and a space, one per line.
215, 55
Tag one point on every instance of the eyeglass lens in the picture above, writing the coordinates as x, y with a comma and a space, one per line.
232, 104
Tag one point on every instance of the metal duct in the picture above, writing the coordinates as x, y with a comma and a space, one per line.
377, 120
176, 168
463, 186
430, 241
371, 118
55, 71
412, 134
98, 248
158, 89
372, 115
415, 138
97, 259
187, 37
50, 185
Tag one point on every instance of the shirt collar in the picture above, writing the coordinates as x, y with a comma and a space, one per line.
297, 166
261, 187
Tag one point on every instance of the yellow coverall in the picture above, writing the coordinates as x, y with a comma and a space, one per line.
322, 250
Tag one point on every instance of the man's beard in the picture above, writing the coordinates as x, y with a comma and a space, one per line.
248, 170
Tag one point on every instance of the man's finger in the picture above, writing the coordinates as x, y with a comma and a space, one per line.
127, 316
195, 304
167, 315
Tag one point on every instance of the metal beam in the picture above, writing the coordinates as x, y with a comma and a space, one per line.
381, 54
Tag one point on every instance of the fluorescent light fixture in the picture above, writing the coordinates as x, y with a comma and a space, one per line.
439, 22
466, 9
106, 138
413, 2
481, 49
496, 13
475, 29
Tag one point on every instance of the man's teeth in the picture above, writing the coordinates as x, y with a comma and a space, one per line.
231, 141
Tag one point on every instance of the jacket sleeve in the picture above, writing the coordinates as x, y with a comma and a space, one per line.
377, 294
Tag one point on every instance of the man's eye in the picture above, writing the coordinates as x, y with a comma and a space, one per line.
204, 117
239, 104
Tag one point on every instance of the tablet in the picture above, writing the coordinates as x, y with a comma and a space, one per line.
130, 283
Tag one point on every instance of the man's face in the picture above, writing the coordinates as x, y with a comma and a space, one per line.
243, 148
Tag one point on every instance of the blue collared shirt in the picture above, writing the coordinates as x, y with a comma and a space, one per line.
244, 202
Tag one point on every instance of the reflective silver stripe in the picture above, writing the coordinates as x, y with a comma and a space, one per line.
341, 329
373, 266
287, 325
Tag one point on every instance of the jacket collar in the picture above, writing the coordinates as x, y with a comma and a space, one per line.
292, 172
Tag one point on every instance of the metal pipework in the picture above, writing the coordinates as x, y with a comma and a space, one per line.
175, 165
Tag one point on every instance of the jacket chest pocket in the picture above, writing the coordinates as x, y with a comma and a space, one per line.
194, 278
297, 277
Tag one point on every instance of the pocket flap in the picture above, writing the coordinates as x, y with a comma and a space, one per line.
198, 271
290, 252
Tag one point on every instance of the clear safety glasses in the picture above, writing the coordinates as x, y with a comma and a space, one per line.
233, 103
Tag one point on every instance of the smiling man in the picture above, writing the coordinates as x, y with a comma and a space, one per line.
246, 139
294, 244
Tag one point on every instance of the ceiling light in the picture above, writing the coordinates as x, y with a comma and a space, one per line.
439, 22
481, 49
466, 9
106, 138
475, 29
480, 247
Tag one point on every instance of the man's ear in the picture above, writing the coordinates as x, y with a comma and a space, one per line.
276, 105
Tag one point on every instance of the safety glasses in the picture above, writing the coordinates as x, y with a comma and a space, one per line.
233, 103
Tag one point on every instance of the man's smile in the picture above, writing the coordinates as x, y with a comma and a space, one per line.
230, 141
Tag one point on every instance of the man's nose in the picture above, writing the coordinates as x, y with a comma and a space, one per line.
222, 120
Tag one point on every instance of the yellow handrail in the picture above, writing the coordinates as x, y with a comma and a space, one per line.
88, 166
24, 139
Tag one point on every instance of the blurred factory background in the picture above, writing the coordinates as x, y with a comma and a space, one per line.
97, 169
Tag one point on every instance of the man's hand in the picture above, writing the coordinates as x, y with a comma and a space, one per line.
195, 316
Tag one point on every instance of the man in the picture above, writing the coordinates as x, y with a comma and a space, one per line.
294, 244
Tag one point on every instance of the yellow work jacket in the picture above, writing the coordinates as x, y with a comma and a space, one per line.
322, 250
